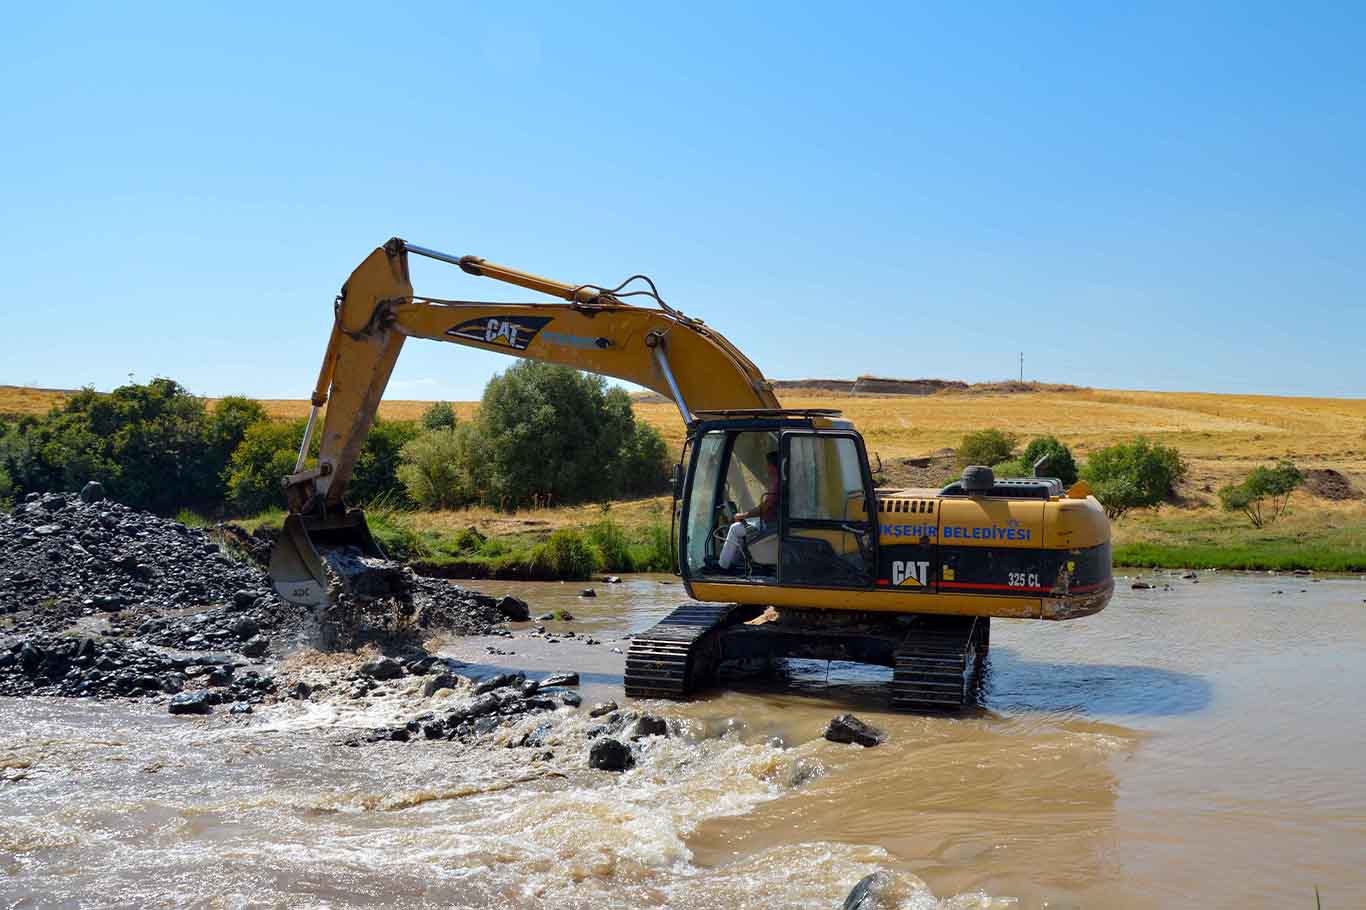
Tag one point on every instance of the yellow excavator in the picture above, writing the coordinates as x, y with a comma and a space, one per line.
827, 566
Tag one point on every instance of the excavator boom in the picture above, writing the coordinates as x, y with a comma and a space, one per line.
591, 328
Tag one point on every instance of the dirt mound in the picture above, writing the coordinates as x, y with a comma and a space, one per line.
933, 470
1325, 483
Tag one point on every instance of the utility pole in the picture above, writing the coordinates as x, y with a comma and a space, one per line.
1022, 367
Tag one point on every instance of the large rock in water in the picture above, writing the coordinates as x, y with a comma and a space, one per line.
384, 668
871, 893
191, 703
610, 755
849, 729
92, 491
514, 608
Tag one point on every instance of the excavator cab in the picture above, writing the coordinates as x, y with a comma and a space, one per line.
818, 531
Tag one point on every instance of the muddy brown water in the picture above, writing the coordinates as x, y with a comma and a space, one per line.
1198, 746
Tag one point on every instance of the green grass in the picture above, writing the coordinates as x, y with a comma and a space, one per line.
567, 553
1322, 539
192, 519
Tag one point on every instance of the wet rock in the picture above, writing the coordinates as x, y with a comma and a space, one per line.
438, 682
1189, 576
588, 592
301, 691
499, 681
220, 676
256, 647
610, 755
514, 608
487, 724
536, 737
400, 735
240, 707
567, 678
93, 491
649, 725
434, 730
563, 696
191, 703
383, 669
606, 707
846, 728
1141, 586
611, 579
873, 892
244, 600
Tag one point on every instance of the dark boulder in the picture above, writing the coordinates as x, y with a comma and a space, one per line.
515, 609
847, 728
588, 592
568, 678
499, 681
873, 892
191, 703
610, 755
256, 647
649, 725
602, 708
439, 682
92, 491
384, 668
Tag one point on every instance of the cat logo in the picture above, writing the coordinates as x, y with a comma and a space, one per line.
513, 332
910, 574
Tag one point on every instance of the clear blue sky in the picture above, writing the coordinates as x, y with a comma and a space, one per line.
1165, 196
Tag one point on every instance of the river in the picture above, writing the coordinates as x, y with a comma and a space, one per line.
1193, 746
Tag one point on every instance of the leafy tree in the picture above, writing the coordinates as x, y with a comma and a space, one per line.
988, 447
442, 468
1133, 475
440, 416
553, 431
227, 425
644, 466
1264, 494
266, 454
376, 474
6, 488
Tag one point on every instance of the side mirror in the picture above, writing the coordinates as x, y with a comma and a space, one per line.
1038, 465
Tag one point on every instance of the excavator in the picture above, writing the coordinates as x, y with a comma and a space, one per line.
839, 569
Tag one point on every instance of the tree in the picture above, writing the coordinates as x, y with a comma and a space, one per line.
1060, 463
443, 468
439, 416
1133, 475
553, 432
1262, 488
644, 466
265, 456
376, 473
986, 447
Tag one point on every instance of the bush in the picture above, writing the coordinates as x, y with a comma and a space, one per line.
440, 469
656, 554
988, 447
1133, 475
565, 554
1060, 462
1264, 487
6, 488
440, 416
376, 473
612, 546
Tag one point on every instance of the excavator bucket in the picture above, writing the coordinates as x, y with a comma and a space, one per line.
296, 563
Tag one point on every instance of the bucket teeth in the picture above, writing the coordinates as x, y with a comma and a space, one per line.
676, 655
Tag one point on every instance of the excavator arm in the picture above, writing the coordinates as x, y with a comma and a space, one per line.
592, 328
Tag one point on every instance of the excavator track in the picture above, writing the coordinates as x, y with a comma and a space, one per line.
679, 654
939, 662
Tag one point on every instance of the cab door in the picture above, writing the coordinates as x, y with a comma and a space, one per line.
826, 519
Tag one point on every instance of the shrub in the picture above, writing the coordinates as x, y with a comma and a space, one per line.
988, 447
656, 554
1264, 494
6, 488
1060, 463
1133, 475
376, 473
440, 416
612, 546
438, 468
565, 554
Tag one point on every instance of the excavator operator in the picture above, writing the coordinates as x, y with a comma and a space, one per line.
742, 529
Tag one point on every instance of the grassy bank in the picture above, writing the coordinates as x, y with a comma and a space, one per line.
552, 544
1317, 535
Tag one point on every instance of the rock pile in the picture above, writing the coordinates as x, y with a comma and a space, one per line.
106, 668
58, 550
